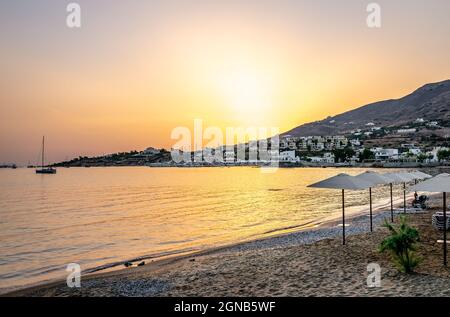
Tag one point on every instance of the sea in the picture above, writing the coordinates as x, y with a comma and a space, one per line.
102, 217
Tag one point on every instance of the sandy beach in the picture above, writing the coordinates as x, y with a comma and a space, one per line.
308, 263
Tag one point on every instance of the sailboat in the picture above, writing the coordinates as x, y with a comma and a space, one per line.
45, 170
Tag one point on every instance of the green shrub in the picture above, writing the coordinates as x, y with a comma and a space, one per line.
401, 245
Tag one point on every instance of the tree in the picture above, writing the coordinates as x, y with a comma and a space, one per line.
422, 157
401, 245
366, 155
443, 155
342, 155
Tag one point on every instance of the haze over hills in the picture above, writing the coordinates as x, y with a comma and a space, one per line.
430, 102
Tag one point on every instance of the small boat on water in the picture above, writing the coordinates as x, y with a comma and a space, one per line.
43, 169
13, 166
47, 170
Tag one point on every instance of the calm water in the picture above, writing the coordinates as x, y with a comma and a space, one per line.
96, 216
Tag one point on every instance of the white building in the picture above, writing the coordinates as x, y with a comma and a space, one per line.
288, 156
386, 154
319, 146
230, 156
415, 151
198, 156
406, 131
150, 151
274, 155
327, 158
292, 145
408, 145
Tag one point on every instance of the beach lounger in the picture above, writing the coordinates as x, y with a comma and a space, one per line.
438, 221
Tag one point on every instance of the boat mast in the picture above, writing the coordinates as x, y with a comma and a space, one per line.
43, 149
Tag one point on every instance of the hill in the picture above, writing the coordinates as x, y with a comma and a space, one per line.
430, 102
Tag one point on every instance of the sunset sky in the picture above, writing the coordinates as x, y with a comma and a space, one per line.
137, 69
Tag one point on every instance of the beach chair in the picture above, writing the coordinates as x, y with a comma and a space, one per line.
438, 221
421, 202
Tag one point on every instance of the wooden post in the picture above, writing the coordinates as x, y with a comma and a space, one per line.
392, 205
445, 229
343, 218
404, 198
370, 201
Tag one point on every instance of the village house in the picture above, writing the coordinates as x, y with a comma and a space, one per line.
288, 156
328, 158
355, 142
150, 151
386, 154
415, 151
406, 131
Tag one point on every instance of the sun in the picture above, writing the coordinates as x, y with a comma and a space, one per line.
246, 92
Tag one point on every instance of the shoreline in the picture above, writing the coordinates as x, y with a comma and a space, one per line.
323, 268
387, 166
357, 222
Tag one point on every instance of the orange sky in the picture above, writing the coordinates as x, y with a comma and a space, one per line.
135, 71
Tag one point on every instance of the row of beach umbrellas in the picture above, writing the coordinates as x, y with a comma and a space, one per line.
438, 184
370, 179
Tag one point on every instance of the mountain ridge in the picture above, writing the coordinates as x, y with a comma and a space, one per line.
430, 102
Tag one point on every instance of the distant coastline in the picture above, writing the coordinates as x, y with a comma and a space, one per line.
93, 162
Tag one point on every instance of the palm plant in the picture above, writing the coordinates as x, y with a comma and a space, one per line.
401, 244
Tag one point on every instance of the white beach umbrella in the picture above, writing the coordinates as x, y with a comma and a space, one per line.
374, 179
343, 182
406, 178
397, 178
420, 175
394, 177
440, 184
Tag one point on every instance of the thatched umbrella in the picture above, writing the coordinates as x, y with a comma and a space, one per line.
406, 178
342, 181
441, 184
373, 178
395, 179
420, 175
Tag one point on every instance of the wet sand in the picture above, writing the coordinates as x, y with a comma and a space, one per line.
311, 263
